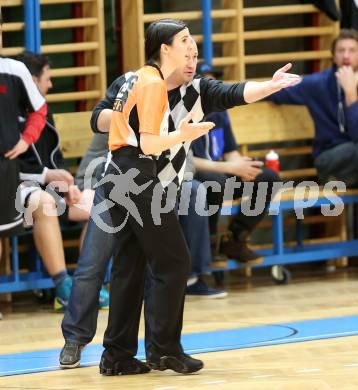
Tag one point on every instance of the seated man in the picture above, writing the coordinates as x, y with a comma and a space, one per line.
43, 164
17, 90
216, 158
332, 99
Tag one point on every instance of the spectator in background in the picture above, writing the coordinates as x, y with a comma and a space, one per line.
19, 93
16, 89
216, 158
332, 99
40, 165
43, 162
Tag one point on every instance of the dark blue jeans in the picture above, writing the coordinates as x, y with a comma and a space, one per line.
80, 321
339, 163
196, 231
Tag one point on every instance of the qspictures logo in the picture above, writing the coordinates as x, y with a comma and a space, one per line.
126, 190
122, 95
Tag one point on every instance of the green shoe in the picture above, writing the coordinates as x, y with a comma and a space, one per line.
63, 292
103, 299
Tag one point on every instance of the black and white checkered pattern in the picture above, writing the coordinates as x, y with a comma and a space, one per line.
199, 96
171, 163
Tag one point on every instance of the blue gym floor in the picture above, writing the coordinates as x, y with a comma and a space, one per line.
220, 340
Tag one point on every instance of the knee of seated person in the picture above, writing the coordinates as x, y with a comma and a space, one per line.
268, 175
47, 201
40, 201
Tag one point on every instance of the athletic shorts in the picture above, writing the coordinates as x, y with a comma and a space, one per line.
13, 198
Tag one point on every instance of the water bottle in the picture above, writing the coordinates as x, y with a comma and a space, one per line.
272, 161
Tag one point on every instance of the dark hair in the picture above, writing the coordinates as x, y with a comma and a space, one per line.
34, 62
344, 34
159, 32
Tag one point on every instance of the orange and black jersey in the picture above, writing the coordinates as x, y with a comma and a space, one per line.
200, 96
141, 105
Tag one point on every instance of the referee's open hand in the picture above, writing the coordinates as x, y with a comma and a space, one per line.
192, 131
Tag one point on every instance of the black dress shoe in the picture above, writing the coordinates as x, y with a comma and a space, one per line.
182, 363
131, 366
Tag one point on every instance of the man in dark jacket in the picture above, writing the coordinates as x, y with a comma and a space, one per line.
16, 89
332, 99
43, 164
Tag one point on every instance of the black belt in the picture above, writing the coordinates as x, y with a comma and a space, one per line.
126, 151
130, 151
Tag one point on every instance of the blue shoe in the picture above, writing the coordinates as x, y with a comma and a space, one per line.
103, 299
63, 292
200, 288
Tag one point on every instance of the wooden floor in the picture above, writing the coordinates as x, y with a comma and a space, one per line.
322, 364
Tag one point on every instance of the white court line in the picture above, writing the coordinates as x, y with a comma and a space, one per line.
220, 369
351, 365
309, 370
164, 388
262, 376
213, 382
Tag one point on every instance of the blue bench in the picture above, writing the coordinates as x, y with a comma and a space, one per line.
258, 125
75, 136
35, 278
253, 125
282, 254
